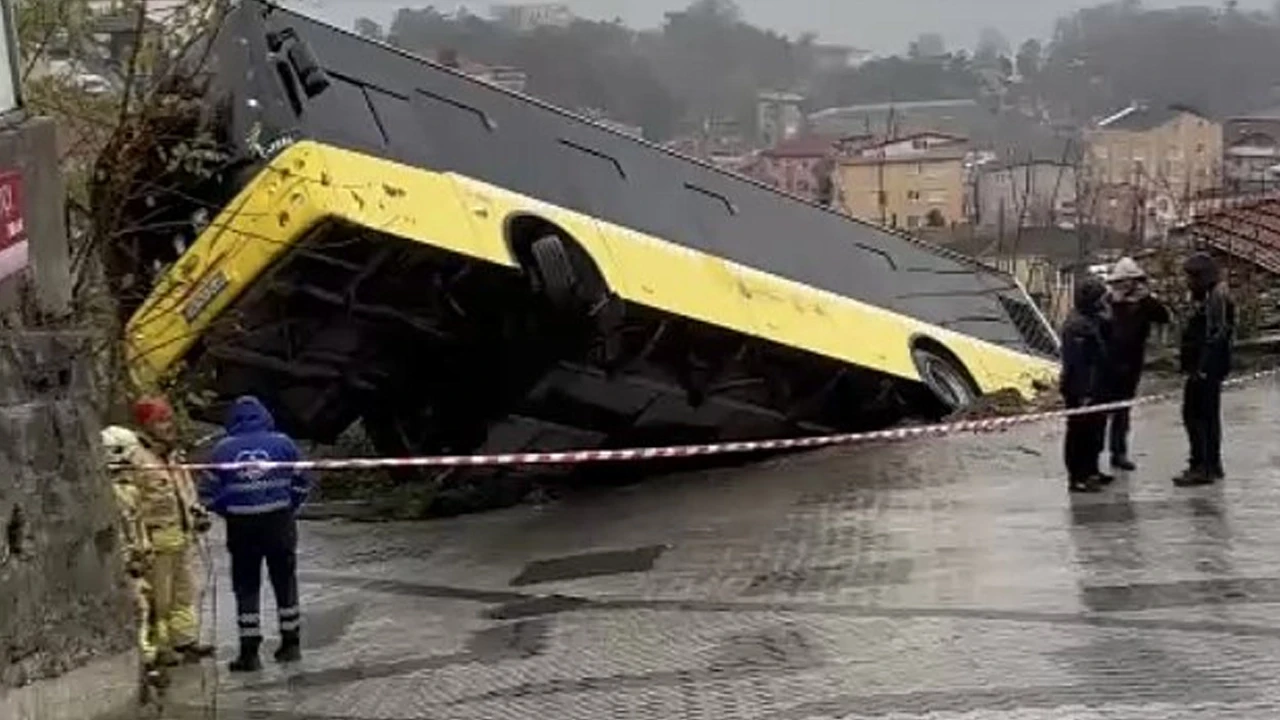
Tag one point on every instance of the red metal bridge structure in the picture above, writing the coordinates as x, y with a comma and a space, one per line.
1244, 227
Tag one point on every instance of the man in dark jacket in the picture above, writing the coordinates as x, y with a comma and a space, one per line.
1083, 383
1205, 358
1133, 313
259, 506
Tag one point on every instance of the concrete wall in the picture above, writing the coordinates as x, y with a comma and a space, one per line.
65, 618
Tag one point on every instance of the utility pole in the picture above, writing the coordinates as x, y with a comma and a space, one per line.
1022, 211
1000, 230
880, 161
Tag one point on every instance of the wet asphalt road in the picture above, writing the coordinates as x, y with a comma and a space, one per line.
944, 579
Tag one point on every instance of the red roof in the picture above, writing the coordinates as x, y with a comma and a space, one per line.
803, 146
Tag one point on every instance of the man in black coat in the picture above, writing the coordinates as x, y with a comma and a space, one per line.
1133, 313
1083, 382
1205, 358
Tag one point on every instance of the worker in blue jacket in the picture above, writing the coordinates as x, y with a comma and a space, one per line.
259, 506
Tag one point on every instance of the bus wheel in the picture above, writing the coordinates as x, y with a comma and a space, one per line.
555, 271
945, 377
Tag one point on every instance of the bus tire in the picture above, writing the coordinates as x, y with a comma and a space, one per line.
555, 271
945, 376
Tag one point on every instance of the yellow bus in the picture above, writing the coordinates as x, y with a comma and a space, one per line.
467, 269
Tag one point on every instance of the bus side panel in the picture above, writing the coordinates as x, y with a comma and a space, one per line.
828, 324
684, 281
493, 209
701, 286
410, 203
1004, 369
678, 280
250, 233
635, 266
302, 187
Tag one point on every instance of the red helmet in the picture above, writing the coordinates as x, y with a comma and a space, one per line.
150, 410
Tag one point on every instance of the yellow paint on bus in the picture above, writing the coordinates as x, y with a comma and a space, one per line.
310, 184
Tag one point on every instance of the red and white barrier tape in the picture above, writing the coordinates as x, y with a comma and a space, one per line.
574, 457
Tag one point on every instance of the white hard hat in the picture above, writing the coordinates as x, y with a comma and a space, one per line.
1126, 269
119, 443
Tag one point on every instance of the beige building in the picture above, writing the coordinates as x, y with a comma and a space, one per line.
909, 182
1173, 151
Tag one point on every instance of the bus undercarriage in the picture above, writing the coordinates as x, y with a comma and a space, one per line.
436, 353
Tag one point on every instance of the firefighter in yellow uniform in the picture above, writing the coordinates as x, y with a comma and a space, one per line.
119, 443
173, 517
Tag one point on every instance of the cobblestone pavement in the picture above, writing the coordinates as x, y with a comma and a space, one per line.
948, 579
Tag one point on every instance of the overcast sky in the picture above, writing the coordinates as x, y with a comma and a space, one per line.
883, 26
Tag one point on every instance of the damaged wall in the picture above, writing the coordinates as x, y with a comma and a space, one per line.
61, 602
66, 620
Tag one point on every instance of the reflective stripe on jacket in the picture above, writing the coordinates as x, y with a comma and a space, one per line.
167, 500
252, 437
135, 541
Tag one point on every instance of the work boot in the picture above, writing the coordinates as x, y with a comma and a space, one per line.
247, 661
1122, 463
168, 658
1193, 477
193, 653
1084, 485
155, 675
290, 650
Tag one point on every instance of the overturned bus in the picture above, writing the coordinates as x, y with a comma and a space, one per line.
466, 269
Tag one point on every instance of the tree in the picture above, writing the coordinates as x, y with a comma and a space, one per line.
1028, 59
1103, 57
126, 146
992, 44
725, 11
368, 28
927, 46
901, 80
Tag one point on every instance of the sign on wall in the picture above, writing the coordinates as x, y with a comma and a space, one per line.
14, 254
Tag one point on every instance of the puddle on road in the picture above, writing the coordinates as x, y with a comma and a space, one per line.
516, 641
589, 565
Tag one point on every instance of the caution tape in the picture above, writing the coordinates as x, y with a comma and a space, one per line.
579, 457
